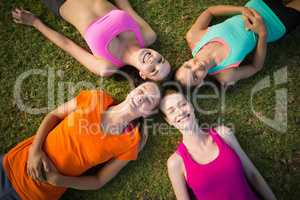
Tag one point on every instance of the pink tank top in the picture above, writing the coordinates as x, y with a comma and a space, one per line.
101, 32
220, 179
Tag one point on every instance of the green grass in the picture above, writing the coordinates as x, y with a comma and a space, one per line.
276, 154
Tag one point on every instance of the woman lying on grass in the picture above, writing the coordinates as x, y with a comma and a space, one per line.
209, 162
117, 36
218, 50
80, 134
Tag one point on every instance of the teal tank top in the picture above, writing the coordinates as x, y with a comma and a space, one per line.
240, 41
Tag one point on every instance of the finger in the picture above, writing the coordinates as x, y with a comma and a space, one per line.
255, 13
28, 171
17, 21
18, 10
39, 174
16, 15
248, 13
46, 165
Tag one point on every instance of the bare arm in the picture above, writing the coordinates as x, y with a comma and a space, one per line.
37, 159
246, 71
203, 21
96, 65
177, 178
104, 175
148, 33
253, 175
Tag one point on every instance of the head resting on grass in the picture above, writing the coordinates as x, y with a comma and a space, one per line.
191, 73
177, 110
151, 64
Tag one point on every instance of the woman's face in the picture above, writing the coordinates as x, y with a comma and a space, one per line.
143, 99
178, 111
191, 73
152, 65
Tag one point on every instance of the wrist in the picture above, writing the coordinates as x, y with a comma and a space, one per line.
36, 23
262, 34
242, 9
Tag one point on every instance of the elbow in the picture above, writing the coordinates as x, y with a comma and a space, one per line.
105, 73
258, 67
188, 36
151, 37
226, 82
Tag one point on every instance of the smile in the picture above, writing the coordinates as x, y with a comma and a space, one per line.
183, 118
147, 57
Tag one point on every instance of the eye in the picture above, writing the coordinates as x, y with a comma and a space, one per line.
171, 111
182, 104
161, 60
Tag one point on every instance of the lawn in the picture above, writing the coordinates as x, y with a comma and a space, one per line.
276, 154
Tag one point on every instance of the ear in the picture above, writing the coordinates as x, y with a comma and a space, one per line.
142, 75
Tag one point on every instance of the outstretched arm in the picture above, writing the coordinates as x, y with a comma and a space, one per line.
148, 33
95, 65
104, 175
176, 175
253, 175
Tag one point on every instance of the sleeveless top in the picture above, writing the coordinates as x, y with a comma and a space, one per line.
221, 179
102, 31
239, 41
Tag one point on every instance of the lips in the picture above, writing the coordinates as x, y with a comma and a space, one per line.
183, 118
147, 58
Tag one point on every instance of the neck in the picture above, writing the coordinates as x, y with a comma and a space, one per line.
208, 58
131, 55
118, 116
193, 136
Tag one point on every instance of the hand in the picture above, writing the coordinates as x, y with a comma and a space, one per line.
21, 16
37, 164
255, 23
53, 177
247, 12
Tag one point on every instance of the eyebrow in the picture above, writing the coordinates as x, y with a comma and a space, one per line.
171, 107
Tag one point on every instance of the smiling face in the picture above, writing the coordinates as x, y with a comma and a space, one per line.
143, 99
191, 73
178, 111
152, 65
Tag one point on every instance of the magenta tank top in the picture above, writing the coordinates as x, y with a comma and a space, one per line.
220, 179
103, 30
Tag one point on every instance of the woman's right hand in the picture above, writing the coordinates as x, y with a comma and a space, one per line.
38, 164
21, 16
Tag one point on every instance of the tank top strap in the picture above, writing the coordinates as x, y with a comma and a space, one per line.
217, 138
184, 154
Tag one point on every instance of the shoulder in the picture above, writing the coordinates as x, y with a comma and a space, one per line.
226, 133
194, 36
174, 162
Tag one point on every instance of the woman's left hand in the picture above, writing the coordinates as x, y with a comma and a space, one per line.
53, 177
256, 23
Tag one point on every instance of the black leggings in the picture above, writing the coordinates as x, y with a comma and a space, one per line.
290, 17
54, 5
